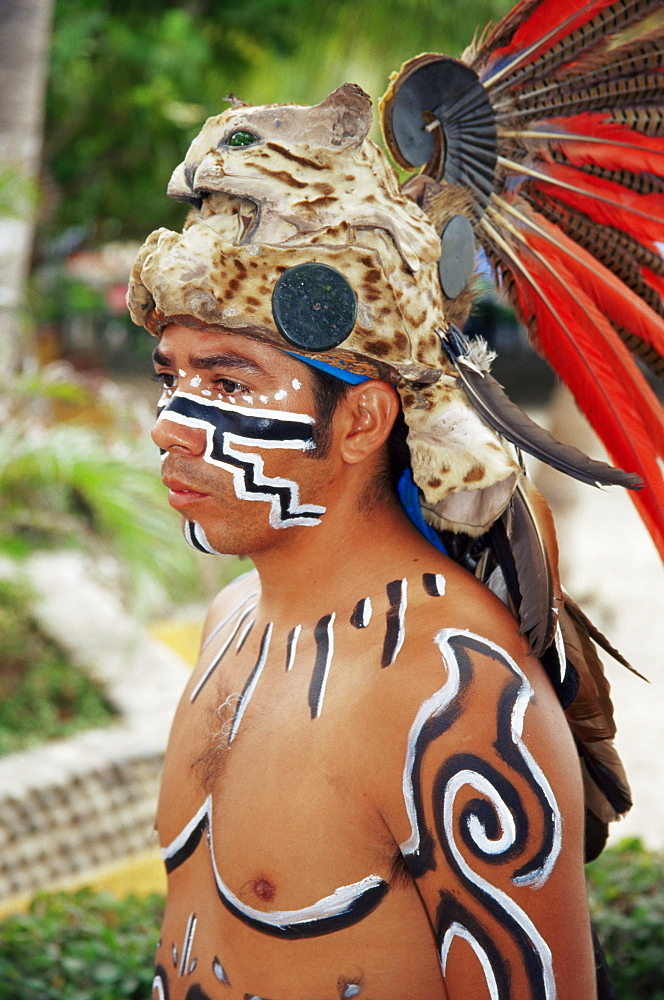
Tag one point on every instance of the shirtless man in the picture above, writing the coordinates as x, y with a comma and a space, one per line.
370, 789
368, 776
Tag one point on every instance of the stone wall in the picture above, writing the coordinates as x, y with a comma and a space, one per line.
78, 804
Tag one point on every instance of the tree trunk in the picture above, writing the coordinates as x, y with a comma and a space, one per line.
25, 29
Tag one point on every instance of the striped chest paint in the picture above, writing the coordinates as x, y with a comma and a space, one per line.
235, 438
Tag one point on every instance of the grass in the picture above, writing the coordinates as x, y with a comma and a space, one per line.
42, 695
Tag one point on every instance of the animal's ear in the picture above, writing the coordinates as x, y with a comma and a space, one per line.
348, 114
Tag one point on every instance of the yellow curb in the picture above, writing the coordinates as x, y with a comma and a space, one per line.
139, 874
184, 637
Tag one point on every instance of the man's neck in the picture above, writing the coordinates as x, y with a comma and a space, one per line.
330, 566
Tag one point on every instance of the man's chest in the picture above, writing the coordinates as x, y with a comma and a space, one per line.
286, 759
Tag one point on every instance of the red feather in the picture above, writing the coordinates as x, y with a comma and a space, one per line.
597, 367
618, 148
615, 299
540, 28
604, 201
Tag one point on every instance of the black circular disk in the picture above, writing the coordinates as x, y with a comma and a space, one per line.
457, 256
314, 307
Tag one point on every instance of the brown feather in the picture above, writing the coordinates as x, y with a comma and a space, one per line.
611, 20
584, 624
535, 553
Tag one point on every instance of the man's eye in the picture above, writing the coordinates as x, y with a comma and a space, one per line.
229, 387
241, 138
165, 380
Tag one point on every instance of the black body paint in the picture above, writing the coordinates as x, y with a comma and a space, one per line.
451, 911
361, 615
321, 665
394, 634
433, 585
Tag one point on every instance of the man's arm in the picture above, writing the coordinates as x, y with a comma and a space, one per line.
490, 825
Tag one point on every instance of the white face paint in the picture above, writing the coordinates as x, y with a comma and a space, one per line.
231, 430
282, 394
195, 381
296, 383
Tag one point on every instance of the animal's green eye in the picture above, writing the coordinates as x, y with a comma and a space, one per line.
241, 138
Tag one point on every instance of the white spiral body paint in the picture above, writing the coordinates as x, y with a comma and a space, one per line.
433, 706
505, 902
436, 704
475, 828
329, 906
458, 930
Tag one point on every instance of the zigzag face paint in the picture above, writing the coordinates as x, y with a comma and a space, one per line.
231, 428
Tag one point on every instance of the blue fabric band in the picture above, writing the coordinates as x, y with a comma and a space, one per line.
408, 492
330, 369
409, 495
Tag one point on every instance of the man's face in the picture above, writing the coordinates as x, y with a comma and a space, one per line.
236, 431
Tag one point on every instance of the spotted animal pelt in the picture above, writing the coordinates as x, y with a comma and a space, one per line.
311, 186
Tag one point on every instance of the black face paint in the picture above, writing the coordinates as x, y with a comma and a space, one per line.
227, 426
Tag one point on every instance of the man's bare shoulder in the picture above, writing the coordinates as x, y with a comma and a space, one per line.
241, 589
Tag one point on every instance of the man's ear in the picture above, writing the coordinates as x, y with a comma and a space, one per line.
368, 414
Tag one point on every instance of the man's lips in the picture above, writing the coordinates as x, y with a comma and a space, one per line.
181, 494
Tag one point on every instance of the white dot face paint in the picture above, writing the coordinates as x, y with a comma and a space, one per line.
296, 384
281, 394
205, 392
195, 381
181, 373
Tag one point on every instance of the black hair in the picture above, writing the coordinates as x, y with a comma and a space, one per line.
328, 391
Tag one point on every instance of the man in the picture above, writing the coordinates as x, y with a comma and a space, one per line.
368, 773
371, 787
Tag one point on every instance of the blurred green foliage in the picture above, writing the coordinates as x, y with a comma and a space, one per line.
42, 696
627, 908
130, 85
86, 946
90, 946
77, 469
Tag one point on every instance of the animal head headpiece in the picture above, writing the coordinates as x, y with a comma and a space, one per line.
299, 235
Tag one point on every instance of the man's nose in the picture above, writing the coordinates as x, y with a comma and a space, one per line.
170, 435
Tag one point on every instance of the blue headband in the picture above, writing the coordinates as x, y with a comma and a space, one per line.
406, 488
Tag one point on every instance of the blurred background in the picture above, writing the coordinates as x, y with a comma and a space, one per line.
100, 100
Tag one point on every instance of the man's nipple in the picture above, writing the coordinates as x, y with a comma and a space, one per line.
264, 889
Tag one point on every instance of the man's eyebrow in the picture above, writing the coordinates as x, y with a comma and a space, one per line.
159, 358
234, 362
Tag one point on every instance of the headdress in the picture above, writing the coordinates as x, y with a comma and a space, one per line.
543, 147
